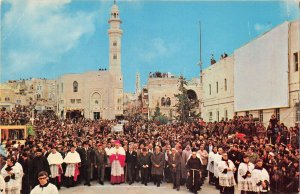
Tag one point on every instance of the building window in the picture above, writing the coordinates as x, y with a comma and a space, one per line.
226, 115
78, 101
277, 114
261, 116
298, 112
217, 86
168, 102
75, 86
210, 116
18, 101
163, 101
225, 84
72, 101
7, 99
96, 102
38, 96
115, 56
39, 88
296, 61
209, 89
115, 43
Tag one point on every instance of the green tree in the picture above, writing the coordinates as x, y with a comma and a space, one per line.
184, 105
158, 117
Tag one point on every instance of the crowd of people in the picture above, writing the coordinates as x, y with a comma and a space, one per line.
239, 151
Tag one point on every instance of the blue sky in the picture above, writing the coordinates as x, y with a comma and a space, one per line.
54, 37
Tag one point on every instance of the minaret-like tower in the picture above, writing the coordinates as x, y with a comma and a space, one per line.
115, 34
137, 85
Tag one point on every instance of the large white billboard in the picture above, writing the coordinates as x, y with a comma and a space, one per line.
261, 72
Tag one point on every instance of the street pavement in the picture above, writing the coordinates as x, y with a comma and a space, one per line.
136, 188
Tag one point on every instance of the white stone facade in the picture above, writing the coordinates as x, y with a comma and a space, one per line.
217, 103
96, 94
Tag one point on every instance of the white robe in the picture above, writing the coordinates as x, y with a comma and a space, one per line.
217, 159
2, 184
13, 185
210, 165
116, 168
226, 179
55, 160
71, 160
257, 176
50, 189
244, 184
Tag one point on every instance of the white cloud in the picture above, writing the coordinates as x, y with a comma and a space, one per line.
37, 33
155, 48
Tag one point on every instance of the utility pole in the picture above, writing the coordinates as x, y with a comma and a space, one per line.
200, 45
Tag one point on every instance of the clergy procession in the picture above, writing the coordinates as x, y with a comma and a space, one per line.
234, 156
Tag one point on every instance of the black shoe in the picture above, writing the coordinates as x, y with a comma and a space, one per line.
101, 183
130, 183
178, 189
174, 187
85, 183
154, 183
158, 184
146, 184
89, 184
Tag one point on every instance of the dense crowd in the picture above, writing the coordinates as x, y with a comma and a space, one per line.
239, 151
20, 115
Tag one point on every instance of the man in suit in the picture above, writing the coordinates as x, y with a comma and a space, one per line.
174, 164
100, 162
131, 161
87, 163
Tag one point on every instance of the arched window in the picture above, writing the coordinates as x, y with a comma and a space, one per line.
75, 86
168, 102
225, 84
163, 101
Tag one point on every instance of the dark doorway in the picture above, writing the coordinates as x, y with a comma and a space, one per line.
96, 115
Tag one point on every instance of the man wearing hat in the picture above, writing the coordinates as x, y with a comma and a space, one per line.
270, 161
117, 160
244, 175
55, 160
39, 163
100, 162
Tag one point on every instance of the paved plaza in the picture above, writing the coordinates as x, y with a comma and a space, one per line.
136, 188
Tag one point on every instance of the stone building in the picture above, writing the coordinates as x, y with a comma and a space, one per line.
260, 78
217, 102
161, 90
96, 94
41, 93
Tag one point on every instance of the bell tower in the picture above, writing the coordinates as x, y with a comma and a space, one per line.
115, 35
